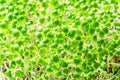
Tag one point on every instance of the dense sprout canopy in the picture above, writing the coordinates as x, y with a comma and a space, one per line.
59, 39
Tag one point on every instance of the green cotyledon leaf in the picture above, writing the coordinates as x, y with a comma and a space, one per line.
55, 59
